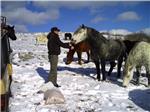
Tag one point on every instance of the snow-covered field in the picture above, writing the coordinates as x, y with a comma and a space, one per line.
81, 91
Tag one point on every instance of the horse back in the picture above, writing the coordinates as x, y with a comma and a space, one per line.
82, 47
115, 48
140, 55
116, 45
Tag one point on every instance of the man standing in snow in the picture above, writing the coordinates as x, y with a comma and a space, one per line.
54, 44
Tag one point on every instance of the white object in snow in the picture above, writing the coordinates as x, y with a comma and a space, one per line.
54, 96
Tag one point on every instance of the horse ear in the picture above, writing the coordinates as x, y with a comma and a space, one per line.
83, 26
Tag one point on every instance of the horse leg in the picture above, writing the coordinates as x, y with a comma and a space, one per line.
10, 94
148, 76
112, 65
88, 57
97, 69
138, 73
79, 57
120, 60
103, 69
88, 54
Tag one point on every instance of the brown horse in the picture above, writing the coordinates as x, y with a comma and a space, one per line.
79, 48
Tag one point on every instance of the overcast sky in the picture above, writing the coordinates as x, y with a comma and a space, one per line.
40, 16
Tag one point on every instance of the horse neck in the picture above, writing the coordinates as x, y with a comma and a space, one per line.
102, 38
96, 39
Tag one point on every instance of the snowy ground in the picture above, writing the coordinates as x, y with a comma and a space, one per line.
82, 92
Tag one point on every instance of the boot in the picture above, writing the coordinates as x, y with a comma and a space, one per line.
56, 85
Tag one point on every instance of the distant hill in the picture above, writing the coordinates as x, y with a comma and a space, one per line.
138, 37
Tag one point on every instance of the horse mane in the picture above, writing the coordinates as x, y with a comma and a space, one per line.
96, 34
6, 26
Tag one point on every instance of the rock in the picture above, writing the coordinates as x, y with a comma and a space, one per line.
41, 64
54, 96
25, 56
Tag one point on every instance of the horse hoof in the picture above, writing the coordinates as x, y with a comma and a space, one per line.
108, 75
104, 79
10, 95
118, 77
125, 86
67, 63
99, 80
80, 63
86, 62
137, 84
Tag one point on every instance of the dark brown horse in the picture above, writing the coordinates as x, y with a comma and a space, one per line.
79, 48
6, 65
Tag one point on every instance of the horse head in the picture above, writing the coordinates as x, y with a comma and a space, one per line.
84, 33
69, 57
10, 32
80, 34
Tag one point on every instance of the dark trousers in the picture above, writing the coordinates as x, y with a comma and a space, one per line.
53, 68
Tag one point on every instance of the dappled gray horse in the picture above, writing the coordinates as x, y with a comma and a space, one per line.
138, 56
101, 48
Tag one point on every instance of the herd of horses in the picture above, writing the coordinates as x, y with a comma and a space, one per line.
134, 50
104, 50
101, 50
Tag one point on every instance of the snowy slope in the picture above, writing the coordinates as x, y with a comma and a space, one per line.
82, 92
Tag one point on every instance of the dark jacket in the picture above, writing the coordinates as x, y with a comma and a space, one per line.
54, 44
